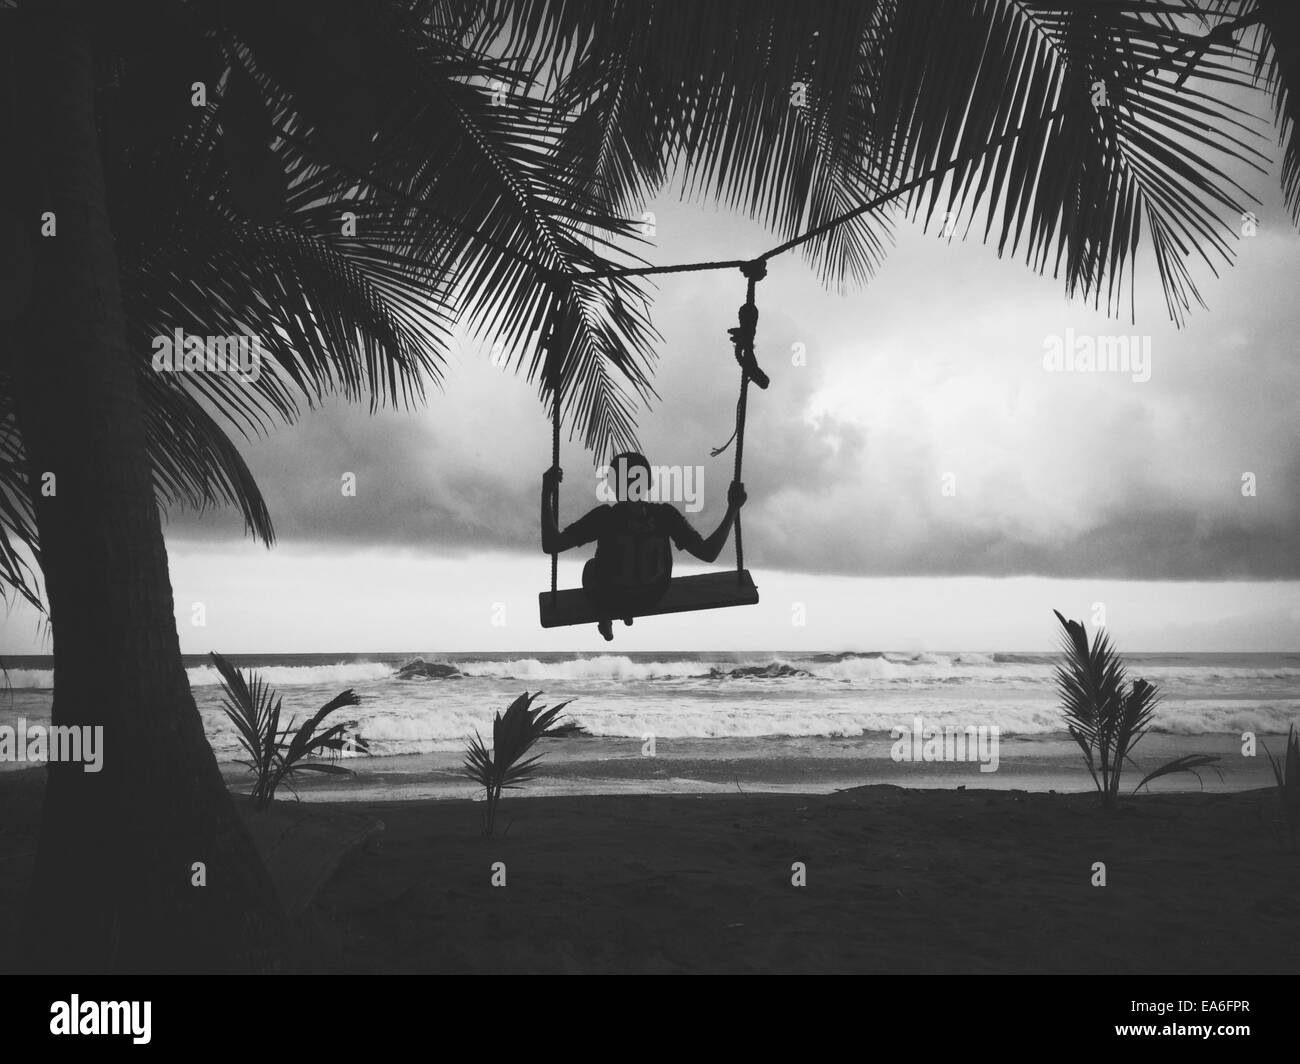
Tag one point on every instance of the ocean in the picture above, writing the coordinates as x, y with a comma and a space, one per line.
719, 696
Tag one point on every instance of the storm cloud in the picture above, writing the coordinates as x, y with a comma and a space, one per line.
911, 428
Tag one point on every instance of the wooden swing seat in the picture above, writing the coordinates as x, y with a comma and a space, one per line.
685, 594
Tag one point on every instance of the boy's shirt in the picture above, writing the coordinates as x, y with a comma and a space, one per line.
632, 541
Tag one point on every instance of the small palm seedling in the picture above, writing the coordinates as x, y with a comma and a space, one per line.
1287, 774
1104, 715
277, 754
504, 766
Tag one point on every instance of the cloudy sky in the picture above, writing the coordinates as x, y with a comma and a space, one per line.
920, 482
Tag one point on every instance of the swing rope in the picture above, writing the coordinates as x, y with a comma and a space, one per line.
555, 489
556, 344
742, 337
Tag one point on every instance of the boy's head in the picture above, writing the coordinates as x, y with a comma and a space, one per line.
631, 473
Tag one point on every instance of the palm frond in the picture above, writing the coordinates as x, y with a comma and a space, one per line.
759, 104
1105, 716
505, 766
1072, 175
1277, 68
507, 166
276, 754
1286, 772
456, 186
1186, 763
252, 707
18, 535
195, 464
305, 741
1089, 680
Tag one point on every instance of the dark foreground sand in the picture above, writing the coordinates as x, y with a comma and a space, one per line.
897, 881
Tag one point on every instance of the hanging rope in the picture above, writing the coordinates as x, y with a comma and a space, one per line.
555, 490
742, 337
556, 349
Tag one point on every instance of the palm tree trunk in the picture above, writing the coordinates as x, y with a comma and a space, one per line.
115, 867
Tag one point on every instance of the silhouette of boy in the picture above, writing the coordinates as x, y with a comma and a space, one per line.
634, 561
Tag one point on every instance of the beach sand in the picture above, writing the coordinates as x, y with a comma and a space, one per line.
897, 880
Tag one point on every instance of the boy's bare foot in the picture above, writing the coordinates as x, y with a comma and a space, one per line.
606, 628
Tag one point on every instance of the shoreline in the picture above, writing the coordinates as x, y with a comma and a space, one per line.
817, 765
588, 765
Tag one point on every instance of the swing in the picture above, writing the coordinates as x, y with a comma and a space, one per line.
685, 594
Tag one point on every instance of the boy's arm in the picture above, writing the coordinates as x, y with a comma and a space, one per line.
707, 550
583, 530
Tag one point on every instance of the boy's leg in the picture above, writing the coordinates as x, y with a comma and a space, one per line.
591, 584
644, 599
